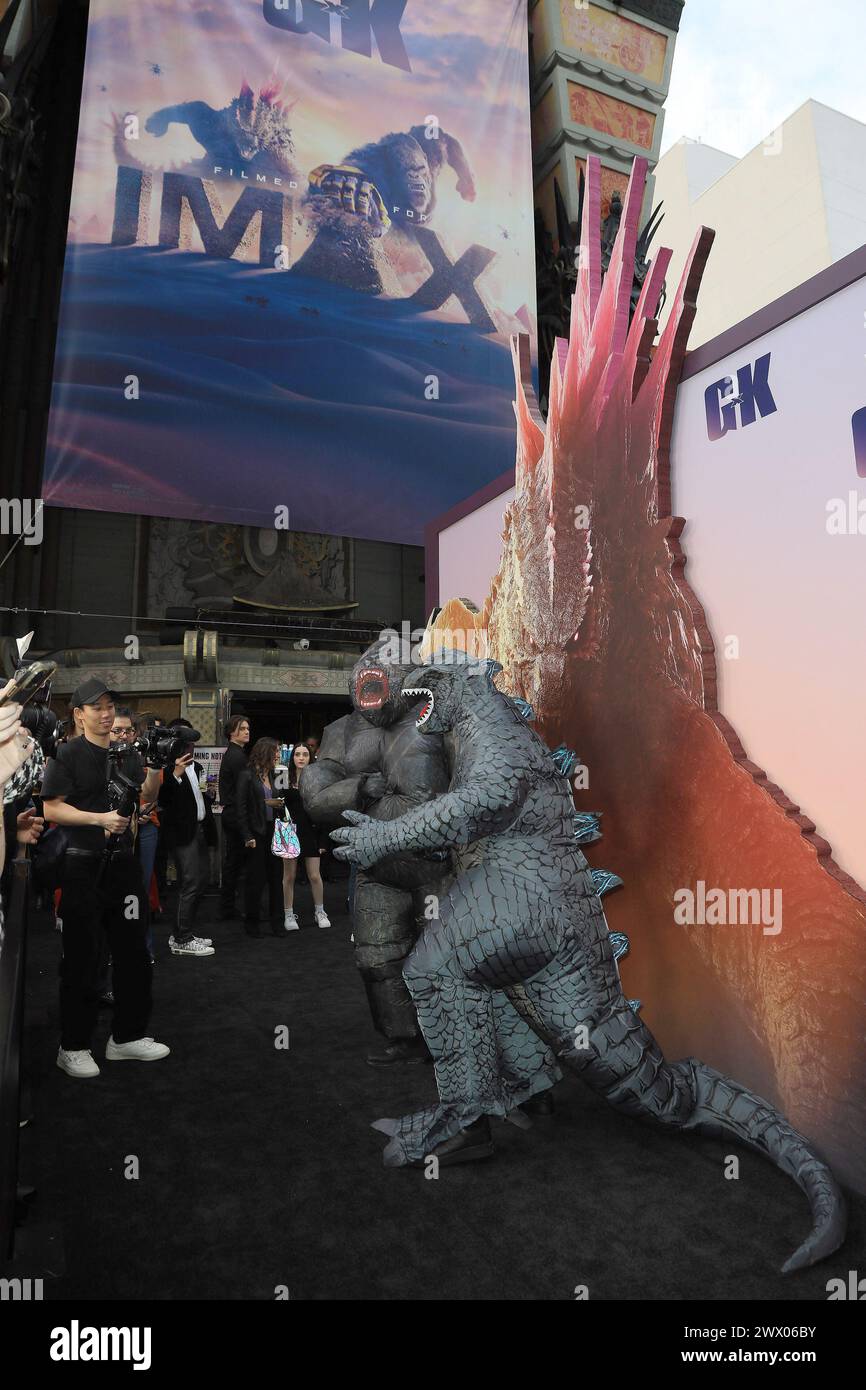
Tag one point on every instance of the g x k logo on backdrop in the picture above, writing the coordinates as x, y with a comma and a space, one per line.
359, 21
751, 396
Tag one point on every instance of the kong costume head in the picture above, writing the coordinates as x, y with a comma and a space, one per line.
374, 686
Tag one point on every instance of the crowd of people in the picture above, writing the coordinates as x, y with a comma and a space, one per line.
103, 823
253, 791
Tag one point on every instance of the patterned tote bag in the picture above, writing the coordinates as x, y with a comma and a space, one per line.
285, 842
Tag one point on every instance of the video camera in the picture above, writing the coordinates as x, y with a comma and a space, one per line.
162, 745
157, 747
43, 726
123, 793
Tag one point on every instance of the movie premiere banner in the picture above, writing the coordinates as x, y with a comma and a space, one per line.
300, 238
769, 468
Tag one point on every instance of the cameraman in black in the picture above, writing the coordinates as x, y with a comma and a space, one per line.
102, 889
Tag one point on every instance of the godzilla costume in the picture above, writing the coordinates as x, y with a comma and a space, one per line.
522, 916
375, 758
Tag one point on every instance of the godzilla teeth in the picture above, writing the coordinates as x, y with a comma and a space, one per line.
428, 706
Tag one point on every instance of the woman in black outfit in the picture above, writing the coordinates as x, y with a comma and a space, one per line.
309, 838
255, 818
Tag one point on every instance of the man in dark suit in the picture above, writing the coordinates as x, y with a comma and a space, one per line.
188, 826
237, 731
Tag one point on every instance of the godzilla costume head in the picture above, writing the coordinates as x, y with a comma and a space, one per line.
374, 686
444, 685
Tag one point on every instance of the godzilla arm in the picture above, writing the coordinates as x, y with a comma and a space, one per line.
458, 817
201, 119
461, 816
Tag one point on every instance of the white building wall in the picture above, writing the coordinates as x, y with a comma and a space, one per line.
841, 145
786, 210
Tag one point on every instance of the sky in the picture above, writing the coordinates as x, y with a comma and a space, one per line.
741, 67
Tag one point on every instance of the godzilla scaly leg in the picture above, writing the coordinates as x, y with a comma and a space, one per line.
487, 1061
526, 1064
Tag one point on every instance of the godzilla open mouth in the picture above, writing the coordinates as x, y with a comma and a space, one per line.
427, 708
371, 691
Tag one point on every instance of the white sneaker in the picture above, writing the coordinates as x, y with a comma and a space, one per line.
322, 918
291, 922
77, 1063
194, 947
205, 940
139, 1050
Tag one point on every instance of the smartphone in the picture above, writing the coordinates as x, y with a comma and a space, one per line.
27, 681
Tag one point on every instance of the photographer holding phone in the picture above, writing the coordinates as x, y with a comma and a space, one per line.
190, 833
102, 890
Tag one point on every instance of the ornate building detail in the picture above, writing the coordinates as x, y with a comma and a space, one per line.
215, 564
287, 680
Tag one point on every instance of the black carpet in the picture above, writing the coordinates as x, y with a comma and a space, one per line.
257, 1166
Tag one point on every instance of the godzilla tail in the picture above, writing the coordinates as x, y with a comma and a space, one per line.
620, 1059
722, 1107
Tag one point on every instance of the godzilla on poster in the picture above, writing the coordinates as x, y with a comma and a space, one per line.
300, 237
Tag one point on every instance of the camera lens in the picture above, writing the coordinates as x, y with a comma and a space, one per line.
42, 724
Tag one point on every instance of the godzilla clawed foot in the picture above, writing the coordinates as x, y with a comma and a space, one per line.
472, 1143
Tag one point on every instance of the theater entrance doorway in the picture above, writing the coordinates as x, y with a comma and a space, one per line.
288, 718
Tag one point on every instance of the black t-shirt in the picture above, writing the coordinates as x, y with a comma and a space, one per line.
79, 773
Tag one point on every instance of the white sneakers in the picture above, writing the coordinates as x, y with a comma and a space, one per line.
292, 924
196, 946
78, 1063
139, 1050
81, 1063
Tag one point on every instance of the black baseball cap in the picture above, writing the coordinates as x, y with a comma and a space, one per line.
89, 691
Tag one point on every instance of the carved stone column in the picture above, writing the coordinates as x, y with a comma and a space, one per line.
202, 698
